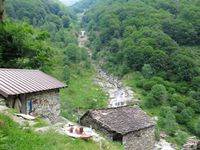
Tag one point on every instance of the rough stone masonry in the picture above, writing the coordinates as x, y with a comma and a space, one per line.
45, 104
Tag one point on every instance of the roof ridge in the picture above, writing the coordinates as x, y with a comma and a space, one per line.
16, 69
112, 108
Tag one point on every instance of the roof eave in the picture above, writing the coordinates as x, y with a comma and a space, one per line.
3, 94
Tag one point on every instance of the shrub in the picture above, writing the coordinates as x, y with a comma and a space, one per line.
180, 107
150, 102
196, 82
197, 127
164, 111
181, 137
185, 116
159, 92
171, 125
139, 83
168, 121
175, 98
147, 71
147, 85
157, 133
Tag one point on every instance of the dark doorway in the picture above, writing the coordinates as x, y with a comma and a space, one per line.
117, 137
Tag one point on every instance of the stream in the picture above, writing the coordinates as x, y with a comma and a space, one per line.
118, 93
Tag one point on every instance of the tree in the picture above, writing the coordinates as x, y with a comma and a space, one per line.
168, 121
22, 46
185, 116
159, 92
73, 53
197, 127
171, 125
184, 67
66, 21
147, 71
1, 10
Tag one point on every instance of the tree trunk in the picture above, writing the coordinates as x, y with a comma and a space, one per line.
1, 10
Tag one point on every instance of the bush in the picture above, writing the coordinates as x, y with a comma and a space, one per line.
147, 71
185, 116
196, 83
165, 110
139, 83
157, 133
180, 107
175, 98
147, 85
168, 121
181, 137
171, 125
150, 102
168, 124
197, 127
160, 93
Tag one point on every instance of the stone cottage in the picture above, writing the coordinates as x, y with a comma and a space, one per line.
31, 92
129, 125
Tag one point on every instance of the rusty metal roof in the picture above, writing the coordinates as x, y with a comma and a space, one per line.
21, 81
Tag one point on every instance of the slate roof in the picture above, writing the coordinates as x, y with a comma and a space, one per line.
122, 120
21, 81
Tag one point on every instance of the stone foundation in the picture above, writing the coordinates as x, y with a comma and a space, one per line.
44, 104
140, 140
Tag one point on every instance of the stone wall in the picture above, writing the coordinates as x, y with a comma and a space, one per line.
90, 122
45, 104
140, 140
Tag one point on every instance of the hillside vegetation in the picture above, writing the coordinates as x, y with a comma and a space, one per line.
14, 137
42, 34
155, 45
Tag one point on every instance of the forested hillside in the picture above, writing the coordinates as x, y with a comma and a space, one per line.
37, 34
42, 34
152, 45
156, 43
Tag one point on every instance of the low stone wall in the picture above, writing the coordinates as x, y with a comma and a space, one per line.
140, 140
45, 104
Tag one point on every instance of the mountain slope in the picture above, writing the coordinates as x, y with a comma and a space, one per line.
156, 44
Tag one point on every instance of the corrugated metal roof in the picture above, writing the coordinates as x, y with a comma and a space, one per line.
21, 81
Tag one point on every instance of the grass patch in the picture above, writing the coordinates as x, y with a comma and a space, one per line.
40, 123
81, 93
14, 138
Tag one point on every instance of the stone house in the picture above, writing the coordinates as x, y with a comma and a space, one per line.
31, 92
128, 125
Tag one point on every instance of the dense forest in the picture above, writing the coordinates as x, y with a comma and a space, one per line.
43, 34
157, 44
152, 45
38, 34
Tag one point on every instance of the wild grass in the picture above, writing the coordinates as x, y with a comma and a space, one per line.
12, 137
82, 94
